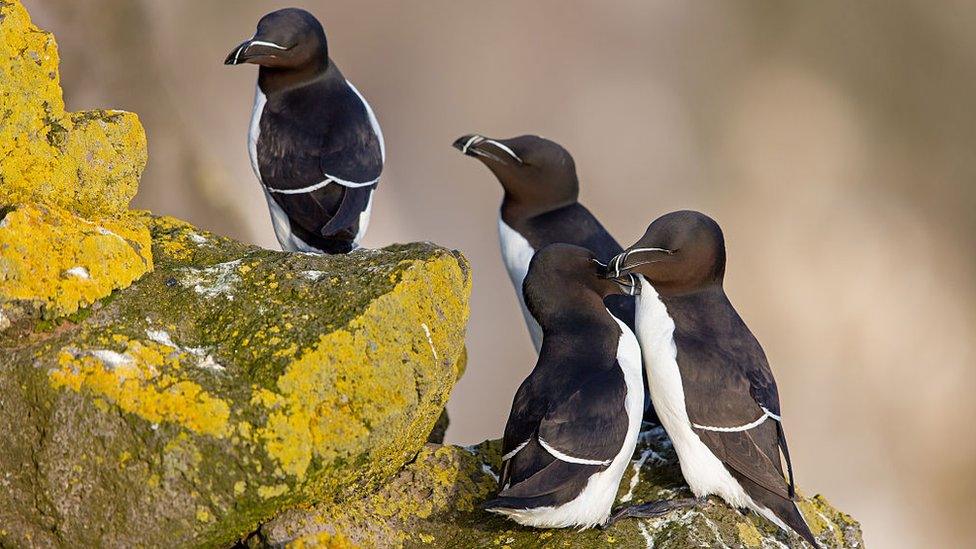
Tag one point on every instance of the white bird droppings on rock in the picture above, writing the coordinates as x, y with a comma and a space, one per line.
79, 272
213, 281
430, 340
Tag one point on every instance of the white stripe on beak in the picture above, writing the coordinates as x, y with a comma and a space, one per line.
474, 139
263, 43
504, 148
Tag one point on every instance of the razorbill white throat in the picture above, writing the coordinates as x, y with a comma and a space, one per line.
708, 376
575, 419
540, 207
314, 142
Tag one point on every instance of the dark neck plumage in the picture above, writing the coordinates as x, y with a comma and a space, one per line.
272, 80
517, 212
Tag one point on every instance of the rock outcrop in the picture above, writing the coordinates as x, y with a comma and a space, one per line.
66, 179
433, 502
160, 385
164, 386
226, 385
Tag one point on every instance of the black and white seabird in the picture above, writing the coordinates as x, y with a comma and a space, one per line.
540, 207
708, 376
575, 419
314, 142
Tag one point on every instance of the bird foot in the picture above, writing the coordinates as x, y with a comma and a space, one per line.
653, 509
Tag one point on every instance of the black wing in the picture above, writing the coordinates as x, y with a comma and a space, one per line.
346, 218
576, 437
352, 152
319, 159
591, 424
738, 389
316, 132
521, 428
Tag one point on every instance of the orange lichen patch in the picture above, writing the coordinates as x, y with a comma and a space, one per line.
358, 384
64, 262
88, 163
143, 380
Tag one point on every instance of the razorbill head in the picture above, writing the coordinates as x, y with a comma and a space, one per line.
314, 142
540, 207
575, 419
708, 375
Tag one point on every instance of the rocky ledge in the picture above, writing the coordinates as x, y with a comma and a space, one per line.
433, 502
228, 384
164, 386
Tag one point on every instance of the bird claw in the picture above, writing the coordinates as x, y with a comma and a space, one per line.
652, 509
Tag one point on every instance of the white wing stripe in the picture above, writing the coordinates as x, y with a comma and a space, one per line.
374, 124
766, 415
570, 459
319, 185
517, 449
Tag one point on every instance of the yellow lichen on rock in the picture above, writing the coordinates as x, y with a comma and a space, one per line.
89, 162
143, 380
69, 177
322, 540
63, 262
749, 535
354, 384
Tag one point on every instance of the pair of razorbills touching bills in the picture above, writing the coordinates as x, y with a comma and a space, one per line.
606, 322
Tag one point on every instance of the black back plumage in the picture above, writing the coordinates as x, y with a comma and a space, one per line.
574, 399
312, 132
575, 224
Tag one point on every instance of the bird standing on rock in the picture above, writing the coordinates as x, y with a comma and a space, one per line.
708, 375
575, 419
540, 206
314, 142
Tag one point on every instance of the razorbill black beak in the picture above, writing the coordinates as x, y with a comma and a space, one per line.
625, 263
484, 147
626, 282
251, 49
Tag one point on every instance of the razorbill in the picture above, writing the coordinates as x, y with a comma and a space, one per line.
575, 419
708, 376
314, 142
540, 207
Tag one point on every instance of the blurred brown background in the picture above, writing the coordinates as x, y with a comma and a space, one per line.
833, 141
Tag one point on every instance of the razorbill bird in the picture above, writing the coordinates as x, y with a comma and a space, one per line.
575, 419
540, 207
314, 142
708, 376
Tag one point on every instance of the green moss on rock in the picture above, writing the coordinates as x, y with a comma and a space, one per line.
228, 384
433, 502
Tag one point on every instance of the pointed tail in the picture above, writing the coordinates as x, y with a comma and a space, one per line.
791, 515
